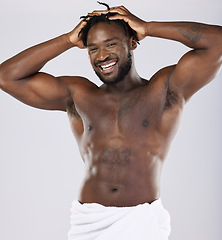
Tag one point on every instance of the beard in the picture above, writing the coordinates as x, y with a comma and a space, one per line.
123, 71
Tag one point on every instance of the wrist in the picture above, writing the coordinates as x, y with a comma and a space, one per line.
69, 39
148, 28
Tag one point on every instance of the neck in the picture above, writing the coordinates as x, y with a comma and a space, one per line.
130, 81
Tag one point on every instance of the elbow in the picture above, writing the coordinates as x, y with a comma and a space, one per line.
1, 77
215, 43
4, 77
220, 39
217, 39
219, 44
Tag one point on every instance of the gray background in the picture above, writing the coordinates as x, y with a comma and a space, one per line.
40, 166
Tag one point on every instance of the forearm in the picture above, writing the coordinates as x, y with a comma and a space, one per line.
30, 61
193, 35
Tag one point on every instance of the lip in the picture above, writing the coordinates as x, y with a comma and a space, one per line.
107, 66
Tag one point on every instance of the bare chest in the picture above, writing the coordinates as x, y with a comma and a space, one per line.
124, 114
133, 111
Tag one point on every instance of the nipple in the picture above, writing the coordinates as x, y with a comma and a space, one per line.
89, 127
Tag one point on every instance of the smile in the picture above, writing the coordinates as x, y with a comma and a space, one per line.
107, 66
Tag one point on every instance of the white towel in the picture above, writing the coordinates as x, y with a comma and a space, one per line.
93, 221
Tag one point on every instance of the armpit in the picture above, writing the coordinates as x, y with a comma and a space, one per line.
171, 99
71, 109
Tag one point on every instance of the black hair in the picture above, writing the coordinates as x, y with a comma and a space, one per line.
92, 20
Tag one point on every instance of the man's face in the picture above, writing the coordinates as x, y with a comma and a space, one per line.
109, 52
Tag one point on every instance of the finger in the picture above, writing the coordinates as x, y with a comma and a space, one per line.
117, 10
99, 12
114, 9
118, 17
81, 24
120, 9
85, 18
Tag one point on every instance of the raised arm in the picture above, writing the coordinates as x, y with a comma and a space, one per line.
20, 76
197, 67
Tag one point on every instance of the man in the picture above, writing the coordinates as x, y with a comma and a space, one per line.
124, 127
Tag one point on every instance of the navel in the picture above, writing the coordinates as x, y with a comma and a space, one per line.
145, 123
114, 189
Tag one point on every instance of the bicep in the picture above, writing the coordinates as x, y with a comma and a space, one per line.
40, 90
194, 70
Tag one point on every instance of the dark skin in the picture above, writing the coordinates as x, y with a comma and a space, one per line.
123, 130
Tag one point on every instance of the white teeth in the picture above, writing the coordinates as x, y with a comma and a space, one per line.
108, 65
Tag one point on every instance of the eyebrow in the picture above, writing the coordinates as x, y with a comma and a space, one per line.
105, 41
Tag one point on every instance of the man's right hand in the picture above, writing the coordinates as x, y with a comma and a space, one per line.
74, 37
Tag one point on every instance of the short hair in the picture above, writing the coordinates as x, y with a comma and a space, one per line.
92, 20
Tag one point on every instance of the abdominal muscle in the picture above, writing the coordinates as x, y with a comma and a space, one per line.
120, 175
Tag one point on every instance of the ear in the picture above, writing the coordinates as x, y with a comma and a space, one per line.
132, 43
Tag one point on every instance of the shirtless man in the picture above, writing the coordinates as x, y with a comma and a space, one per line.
125, 126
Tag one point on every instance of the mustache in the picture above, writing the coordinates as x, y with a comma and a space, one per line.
105, 60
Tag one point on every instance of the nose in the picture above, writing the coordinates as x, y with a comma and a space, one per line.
102, 54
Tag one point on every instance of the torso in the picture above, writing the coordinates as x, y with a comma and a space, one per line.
123, 139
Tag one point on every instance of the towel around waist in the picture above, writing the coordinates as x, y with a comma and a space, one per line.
95, 221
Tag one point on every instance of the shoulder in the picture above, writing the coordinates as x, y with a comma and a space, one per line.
75, 80
78, 88
159, 82
163, 74
77, 83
